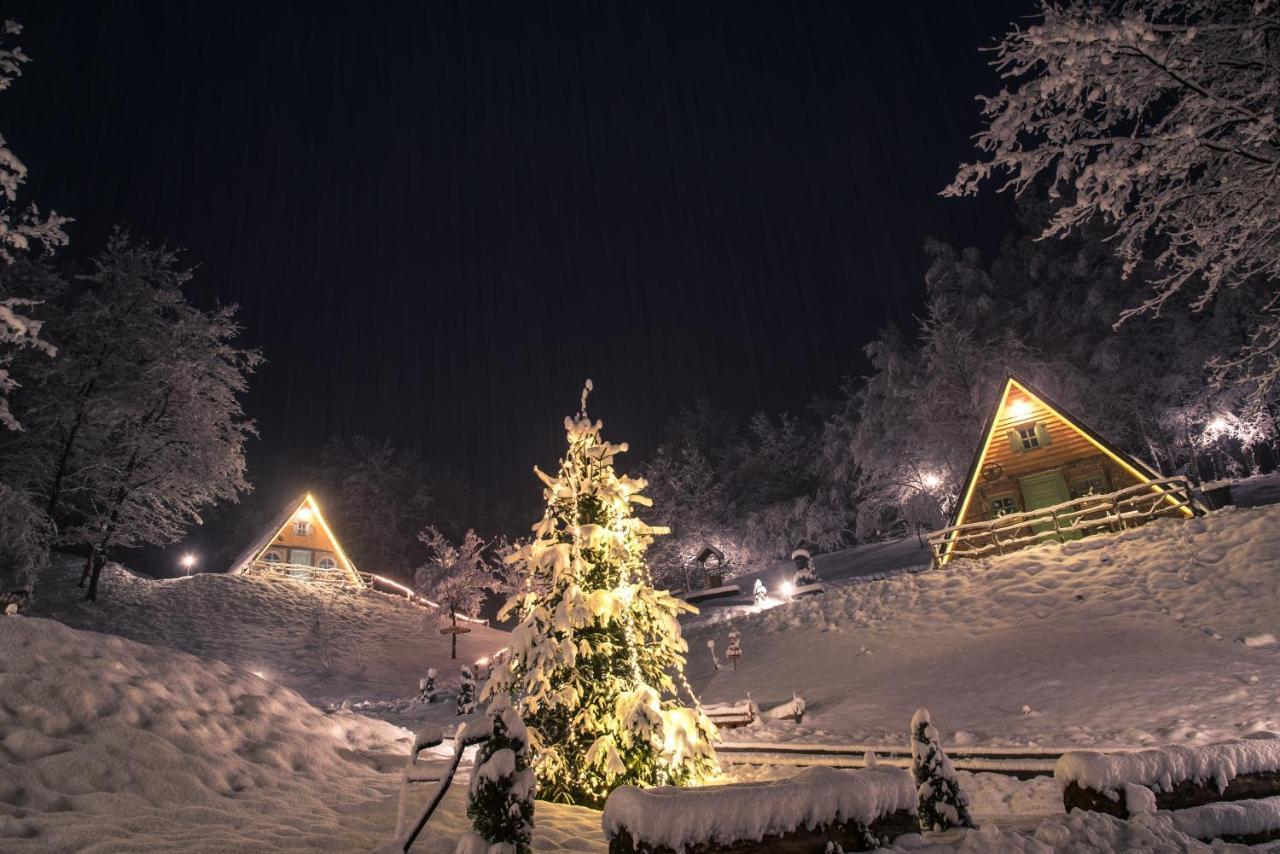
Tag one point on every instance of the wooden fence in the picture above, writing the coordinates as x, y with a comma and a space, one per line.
1089, 514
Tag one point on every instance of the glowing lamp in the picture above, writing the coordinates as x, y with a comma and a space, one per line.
304, 514
1219, 425
188, 560
787, 588
1020, 408
931, 481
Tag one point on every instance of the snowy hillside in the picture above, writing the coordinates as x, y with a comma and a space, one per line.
1164, 634
377, 645
114, 746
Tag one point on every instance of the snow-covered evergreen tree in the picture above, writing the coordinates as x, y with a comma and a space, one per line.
500, 803
942, 804
466, 699
597, 660
427, 686
456, 577
759, 593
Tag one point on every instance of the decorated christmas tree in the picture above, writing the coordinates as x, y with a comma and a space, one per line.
942, 804
500, 803
597, 660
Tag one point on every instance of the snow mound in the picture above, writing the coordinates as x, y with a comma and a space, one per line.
1237, 818
326, 646
676, 818
116, 746
1164, 768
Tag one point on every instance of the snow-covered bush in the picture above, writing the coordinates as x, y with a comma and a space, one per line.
597, 659
427, 686
942, 804
466, 691
500, 803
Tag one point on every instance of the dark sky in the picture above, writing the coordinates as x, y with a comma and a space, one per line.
438, 219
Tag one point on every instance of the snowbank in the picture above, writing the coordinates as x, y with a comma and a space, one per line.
675, 818
1163, 768
1238, 818
110, 744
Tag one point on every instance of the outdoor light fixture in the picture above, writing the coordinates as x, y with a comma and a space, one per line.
188, 561
931, 481
1020, 408
304, 514
787, 588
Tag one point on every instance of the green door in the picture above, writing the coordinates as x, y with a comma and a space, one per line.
1046, 490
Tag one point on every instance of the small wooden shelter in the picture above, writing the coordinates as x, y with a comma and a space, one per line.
1041, 474
299, 544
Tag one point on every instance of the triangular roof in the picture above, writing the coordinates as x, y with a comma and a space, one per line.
277, 526
1012, 382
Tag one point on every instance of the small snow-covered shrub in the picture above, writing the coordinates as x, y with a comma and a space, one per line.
500, 803
466, 691
942, 804
427, 686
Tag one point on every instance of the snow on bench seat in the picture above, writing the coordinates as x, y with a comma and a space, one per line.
860, 810
1244, 822
1179, 777
730, 715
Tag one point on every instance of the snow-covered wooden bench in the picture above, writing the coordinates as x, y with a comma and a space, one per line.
856, 810
731, 715
1227, 789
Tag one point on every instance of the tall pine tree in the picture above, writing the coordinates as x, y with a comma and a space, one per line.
598, 658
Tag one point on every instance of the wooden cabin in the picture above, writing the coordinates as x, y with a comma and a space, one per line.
299, 545
1041, 475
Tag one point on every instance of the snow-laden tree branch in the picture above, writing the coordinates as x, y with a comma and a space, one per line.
1158, 118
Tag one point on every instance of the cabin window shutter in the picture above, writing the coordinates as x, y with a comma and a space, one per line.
1015, 442
1042, 436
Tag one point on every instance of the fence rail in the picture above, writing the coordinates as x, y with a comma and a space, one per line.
1089, 514
327, 575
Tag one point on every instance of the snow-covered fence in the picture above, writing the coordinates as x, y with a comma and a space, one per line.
1172, 778
813, 811
1088, 514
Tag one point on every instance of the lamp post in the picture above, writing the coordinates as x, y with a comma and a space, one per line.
188, 562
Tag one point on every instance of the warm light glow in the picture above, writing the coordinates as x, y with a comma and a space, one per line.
188, 561
482, 662
930, 480
1020, 408
303, 514
787, 588
1218, 426
1012, 408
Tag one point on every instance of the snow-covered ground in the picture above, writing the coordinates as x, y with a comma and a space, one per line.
1164, 634
107, 745
377, 646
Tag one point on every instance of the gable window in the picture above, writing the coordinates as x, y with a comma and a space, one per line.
1028, 437
302, 529
1003, 506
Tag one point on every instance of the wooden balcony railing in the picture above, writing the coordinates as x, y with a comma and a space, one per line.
328, 575
1089, 514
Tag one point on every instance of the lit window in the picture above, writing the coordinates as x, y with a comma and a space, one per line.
302, 528
1029, 438
1003, 506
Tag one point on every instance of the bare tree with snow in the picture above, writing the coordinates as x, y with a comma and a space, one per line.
1158, 118
19, 229
457, 577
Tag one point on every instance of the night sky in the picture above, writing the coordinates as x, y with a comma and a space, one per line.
438, 219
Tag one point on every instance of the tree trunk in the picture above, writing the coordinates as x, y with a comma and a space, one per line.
453, 639
88, 566
91, 595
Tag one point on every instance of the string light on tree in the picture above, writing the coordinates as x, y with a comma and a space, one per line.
597, 659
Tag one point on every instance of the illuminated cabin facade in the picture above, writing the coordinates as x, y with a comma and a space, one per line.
299, 545
1043, 475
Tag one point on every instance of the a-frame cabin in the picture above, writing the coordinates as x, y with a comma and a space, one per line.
299, 544
1041, 474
